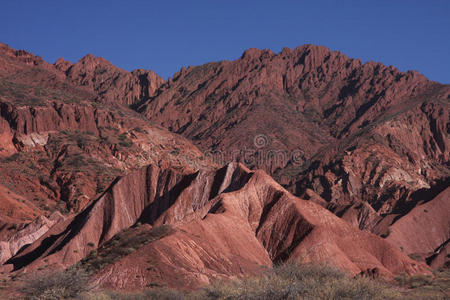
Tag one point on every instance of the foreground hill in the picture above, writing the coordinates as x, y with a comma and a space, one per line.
204, 225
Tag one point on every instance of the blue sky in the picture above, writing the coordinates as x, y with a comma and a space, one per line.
166, 35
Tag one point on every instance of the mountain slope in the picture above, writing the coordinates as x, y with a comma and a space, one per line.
64, 140
364, 148
317, 120
222, 224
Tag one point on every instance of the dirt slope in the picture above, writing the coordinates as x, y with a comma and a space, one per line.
222, 224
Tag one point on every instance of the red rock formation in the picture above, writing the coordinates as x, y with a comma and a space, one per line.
110, 83
303, 86
225, 223
425, 228
441, 257
348, 131
364, 141
92, 77
30, 233
59, 144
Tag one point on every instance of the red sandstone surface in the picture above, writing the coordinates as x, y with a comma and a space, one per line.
223, 223
62, 144
368, 140
359, 154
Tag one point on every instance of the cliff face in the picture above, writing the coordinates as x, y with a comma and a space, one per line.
363, 147
222, 223
110, 83
325, 93
66, 133
92, 77
10, 245
369, 140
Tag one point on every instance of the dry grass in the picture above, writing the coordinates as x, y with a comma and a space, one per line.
426, 287
160, 294
55, 285
287, 281
294, 281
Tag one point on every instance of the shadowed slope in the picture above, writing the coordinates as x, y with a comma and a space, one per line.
361, 136
252, 221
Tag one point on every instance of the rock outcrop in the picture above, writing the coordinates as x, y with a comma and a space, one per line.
66, 132
225, 223
29, 234
110, 83
361, 152
364, 136
425, 229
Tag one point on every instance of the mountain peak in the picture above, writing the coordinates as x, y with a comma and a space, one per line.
253, 53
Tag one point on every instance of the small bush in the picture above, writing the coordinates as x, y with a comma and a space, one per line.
151, 294
126, 144
122, 244
294, 281
124, 141
55, 285
415, 256
426, 287
123, 137
139, 129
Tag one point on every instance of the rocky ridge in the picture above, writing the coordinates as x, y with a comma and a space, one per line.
222, 224
364, 148
370, 141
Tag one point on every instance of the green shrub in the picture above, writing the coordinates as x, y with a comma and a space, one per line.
156, 294
55, 285
122, 244
294, 281
124, 141
139, 129
286, 281
126, 144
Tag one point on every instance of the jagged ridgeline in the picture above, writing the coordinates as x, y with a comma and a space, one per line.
135, 181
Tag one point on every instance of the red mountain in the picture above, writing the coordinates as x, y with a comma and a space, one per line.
370, 142
89, 177
218, 224
62, 143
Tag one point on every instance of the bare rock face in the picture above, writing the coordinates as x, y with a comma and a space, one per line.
364, 136
66, 133
91, 77
360, 215
364, 146
225, 223
72, 152
299, 88
147, 194
29, 234
441, 256
110, 83
430, 223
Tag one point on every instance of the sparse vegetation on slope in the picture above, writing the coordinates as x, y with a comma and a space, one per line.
293, 281
55, 285
286, 281
122, 244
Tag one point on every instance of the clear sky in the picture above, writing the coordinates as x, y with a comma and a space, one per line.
166, 35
